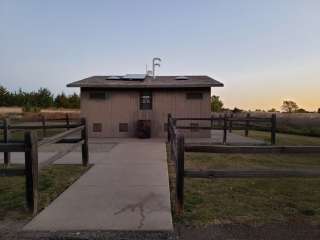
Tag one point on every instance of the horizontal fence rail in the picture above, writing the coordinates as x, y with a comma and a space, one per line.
12, 147
233, 119
60, 136
35, 127
251, 149
250, 174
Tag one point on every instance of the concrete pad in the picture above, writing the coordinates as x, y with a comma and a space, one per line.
138, 152
19, 158
106, 208
76, 158
93, 147
128, 175
126, 190
232, 139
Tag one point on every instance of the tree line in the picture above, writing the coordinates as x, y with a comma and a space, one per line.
287, 106
43, 98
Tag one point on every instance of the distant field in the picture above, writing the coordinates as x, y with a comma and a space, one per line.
282, 138
16, 113
7, 110
60, 110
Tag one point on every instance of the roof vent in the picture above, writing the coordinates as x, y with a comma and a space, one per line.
182, 78
113, 78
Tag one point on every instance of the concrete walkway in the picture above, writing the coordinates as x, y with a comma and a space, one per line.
127, 189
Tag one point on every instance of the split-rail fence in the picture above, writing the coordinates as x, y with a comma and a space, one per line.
178, 147
30, 146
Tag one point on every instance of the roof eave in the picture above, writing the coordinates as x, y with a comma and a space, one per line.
145, 86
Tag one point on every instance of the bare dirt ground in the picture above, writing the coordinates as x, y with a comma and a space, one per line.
294, 231
9, 229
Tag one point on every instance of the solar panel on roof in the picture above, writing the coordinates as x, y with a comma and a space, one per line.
113, 78
134, 76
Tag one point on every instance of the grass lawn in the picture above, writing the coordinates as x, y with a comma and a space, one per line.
19, 135
282, 138
52, 182
252, 200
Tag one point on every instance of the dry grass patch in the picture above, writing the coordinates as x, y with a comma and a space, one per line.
282, 138
52, 182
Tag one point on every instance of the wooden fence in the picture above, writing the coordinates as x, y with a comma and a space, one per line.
227, 123
41, 122
30, 147
178, 148
10, 126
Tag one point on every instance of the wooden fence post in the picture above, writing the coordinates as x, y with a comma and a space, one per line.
44, 131
180, 174
84, 147
67, 121
230, 123
273, 128
168, 127
31, 171
225, 126
246, 133
174, 121
6, 139
211, 122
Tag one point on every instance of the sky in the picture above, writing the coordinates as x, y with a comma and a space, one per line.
263, 51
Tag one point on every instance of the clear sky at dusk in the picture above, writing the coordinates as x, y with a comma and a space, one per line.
263, 51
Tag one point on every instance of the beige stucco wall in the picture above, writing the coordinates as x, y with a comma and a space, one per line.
123, 107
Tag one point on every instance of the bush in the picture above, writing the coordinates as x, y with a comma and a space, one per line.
29, 108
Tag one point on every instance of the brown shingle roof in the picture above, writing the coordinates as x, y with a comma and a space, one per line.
148, 82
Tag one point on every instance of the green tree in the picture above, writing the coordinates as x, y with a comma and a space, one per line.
4, 96
237, 110
289, 106
44, 98
301, 110
216, 104
272, 110
74, 101
61, 101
